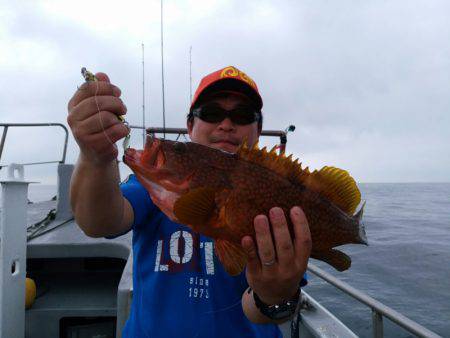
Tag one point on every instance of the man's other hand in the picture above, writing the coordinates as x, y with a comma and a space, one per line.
277, 264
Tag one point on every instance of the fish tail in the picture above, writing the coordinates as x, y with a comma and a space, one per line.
361, 237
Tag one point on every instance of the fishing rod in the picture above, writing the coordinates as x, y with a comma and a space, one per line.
190, 74
162, 70
143, 98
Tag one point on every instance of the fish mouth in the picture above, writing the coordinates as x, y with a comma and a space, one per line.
151, 158
131, 156
149, 165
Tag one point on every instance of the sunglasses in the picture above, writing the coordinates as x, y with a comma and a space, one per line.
213, 113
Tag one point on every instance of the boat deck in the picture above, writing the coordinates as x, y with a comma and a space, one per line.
76, 277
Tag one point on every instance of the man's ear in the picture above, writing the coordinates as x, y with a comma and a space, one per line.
190, 126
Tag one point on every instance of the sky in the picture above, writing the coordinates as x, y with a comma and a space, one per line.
366, 83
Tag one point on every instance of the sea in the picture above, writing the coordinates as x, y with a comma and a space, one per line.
406, 265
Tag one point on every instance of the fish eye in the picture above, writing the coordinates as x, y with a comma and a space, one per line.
179, 147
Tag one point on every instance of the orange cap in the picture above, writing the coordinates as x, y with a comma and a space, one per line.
230, 79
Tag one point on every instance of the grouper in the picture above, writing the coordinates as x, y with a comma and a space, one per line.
218, 194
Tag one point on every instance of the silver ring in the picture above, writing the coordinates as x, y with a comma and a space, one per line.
269, 263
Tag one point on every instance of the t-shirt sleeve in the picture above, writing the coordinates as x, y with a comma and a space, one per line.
139, 199
304, 280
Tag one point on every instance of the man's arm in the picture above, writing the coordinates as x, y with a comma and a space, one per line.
97, 202
286, 260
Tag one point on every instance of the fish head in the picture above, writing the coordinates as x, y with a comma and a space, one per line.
164, 162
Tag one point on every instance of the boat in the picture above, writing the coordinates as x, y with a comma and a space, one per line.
84, 285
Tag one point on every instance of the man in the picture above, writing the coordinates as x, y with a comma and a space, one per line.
180, 288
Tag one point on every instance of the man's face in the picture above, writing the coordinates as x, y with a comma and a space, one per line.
224, 135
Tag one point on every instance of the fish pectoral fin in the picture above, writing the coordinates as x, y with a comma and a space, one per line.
337, 259
196, 206
232, 256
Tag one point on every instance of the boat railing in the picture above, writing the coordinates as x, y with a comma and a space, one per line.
282, 134
6, 126
379, 310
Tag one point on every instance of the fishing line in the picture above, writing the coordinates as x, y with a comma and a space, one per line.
100, 116
197, 334
224, 308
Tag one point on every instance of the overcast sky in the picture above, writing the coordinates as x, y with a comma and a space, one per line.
366, 83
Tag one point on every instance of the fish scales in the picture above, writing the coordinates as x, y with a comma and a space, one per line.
219, 194
258, 195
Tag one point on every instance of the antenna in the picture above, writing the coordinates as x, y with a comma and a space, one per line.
190, 73
162, 72
143, 99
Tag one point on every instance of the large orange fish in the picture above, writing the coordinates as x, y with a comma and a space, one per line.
219, 194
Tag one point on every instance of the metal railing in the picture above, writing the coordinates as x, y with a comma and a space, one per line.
282, 134
180, 131
6, 126
379, 310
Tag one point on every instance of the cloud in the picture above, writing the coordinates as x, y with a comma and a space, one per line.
366, 83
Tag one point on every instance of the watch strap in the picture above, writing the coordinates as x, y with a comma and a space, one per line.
277, 311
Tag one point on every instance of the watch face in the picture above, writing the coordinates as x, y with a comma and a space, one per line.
281, 311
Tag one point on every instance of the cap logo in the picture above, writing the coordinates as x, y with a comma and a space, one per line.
234, 72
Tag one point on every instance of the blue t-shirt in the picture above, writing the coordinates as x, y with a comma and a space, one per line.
180, 289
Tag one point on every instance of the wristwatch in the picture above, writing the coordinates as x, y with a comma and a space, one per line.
277, 311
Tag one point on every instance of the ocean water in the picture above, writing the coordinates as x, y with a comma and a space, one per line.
406, 265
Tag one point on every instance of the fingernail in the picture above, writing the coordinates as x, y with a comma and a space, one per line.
296, 210
260, 218
260, 224
116, 91
246, 242
276, 212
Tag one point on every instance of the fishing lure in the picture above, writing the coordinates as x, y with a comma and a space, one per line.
90, 77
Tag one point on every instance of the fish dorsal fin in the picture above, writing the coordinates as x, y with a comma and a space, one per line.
336, 185
280, 164
195, 207
333, 183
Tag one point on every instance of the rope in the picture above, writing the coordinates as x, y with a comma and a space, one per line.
42, 227
295, 323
